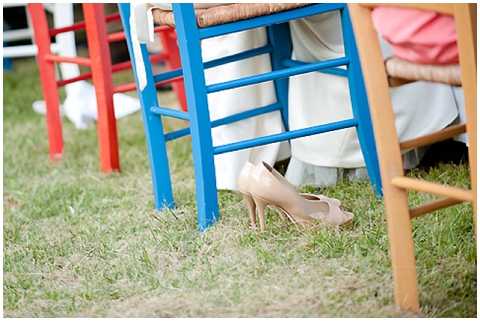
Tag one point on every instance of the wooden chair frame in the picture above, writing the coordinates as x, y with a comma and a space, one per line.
99, 61
395, 184
200, 126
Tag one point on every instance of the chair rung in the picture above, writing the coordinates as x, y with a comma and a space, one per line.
263, 21
434, 188
239, 56
254, 142
123, 88
132, 86
438, 136
120, 36
115, 68
216, 62
116, 36
227, 120
168, 112
432, 206
168, 75
72, 60
332, 71
80, 25
246, 114
277, 74
64, 82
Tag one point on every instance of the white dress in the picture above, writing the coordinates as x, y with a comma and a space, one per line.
229, 102
314, 98
225, 103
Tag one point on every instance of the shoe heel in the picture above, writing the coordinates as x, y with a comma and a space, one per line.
251, 209
260, 205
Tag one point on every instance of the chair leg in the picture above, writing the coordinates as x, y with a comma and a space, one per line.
359, 102
280, 39
48, 80
200, 126
465, 17
169, 42
99, 52
157, 149
396, 202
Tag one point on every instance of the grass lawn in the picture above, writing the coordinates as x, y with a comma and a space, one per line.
81, 243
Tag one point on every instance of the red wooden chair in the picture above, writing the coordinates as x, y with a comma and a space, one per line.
101, 67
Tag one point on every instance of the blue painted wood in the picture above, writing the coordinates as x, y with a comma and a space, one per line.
176, 134
264, 21
170, 112
279, 38
360, 108
277, 74
194, 80
157, 152
217, 62
7, 63
171, 74
331, 71
246, 114
292, 134
239, 56
227, 120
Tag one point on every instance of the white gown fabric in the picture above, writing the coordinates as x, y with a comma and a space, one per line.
225, 103
420, 108
229, 102
314, 98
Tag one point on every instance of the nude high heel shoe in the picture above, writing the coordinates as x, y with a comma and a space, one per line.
243, 188
243, 182
268, 187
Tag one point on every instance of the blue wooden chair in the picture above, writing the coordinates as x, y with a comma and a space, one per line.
280, 48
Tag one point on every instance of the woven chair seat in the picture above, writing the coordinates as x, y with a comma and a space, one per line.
402, 69
226, 13
399, 70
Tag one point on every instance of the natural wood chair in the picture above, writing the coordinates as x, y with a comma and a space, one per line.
395, 184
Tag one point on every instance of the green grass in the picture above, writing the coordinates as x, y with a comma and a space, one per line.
81, 243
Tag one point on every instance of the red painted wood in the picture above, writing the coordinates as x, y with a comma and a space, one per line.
80, 25
99, 53
115, 68
101, 75
48, 80
120, 36
64, 82
116, 36
123, 88
131, 86
71, 60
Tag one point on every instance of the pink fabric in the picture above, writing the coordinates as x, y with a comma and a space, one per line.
418, 36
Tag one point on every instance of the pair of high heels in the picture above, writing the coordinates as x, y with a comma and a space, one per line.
263, 186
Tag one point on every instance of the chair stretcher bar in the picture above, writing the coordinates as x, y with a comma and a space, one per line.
331, 71
227, 120
304, 132
432, 206
169, 112
438, 136
216, 62
434, 188
278, 74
